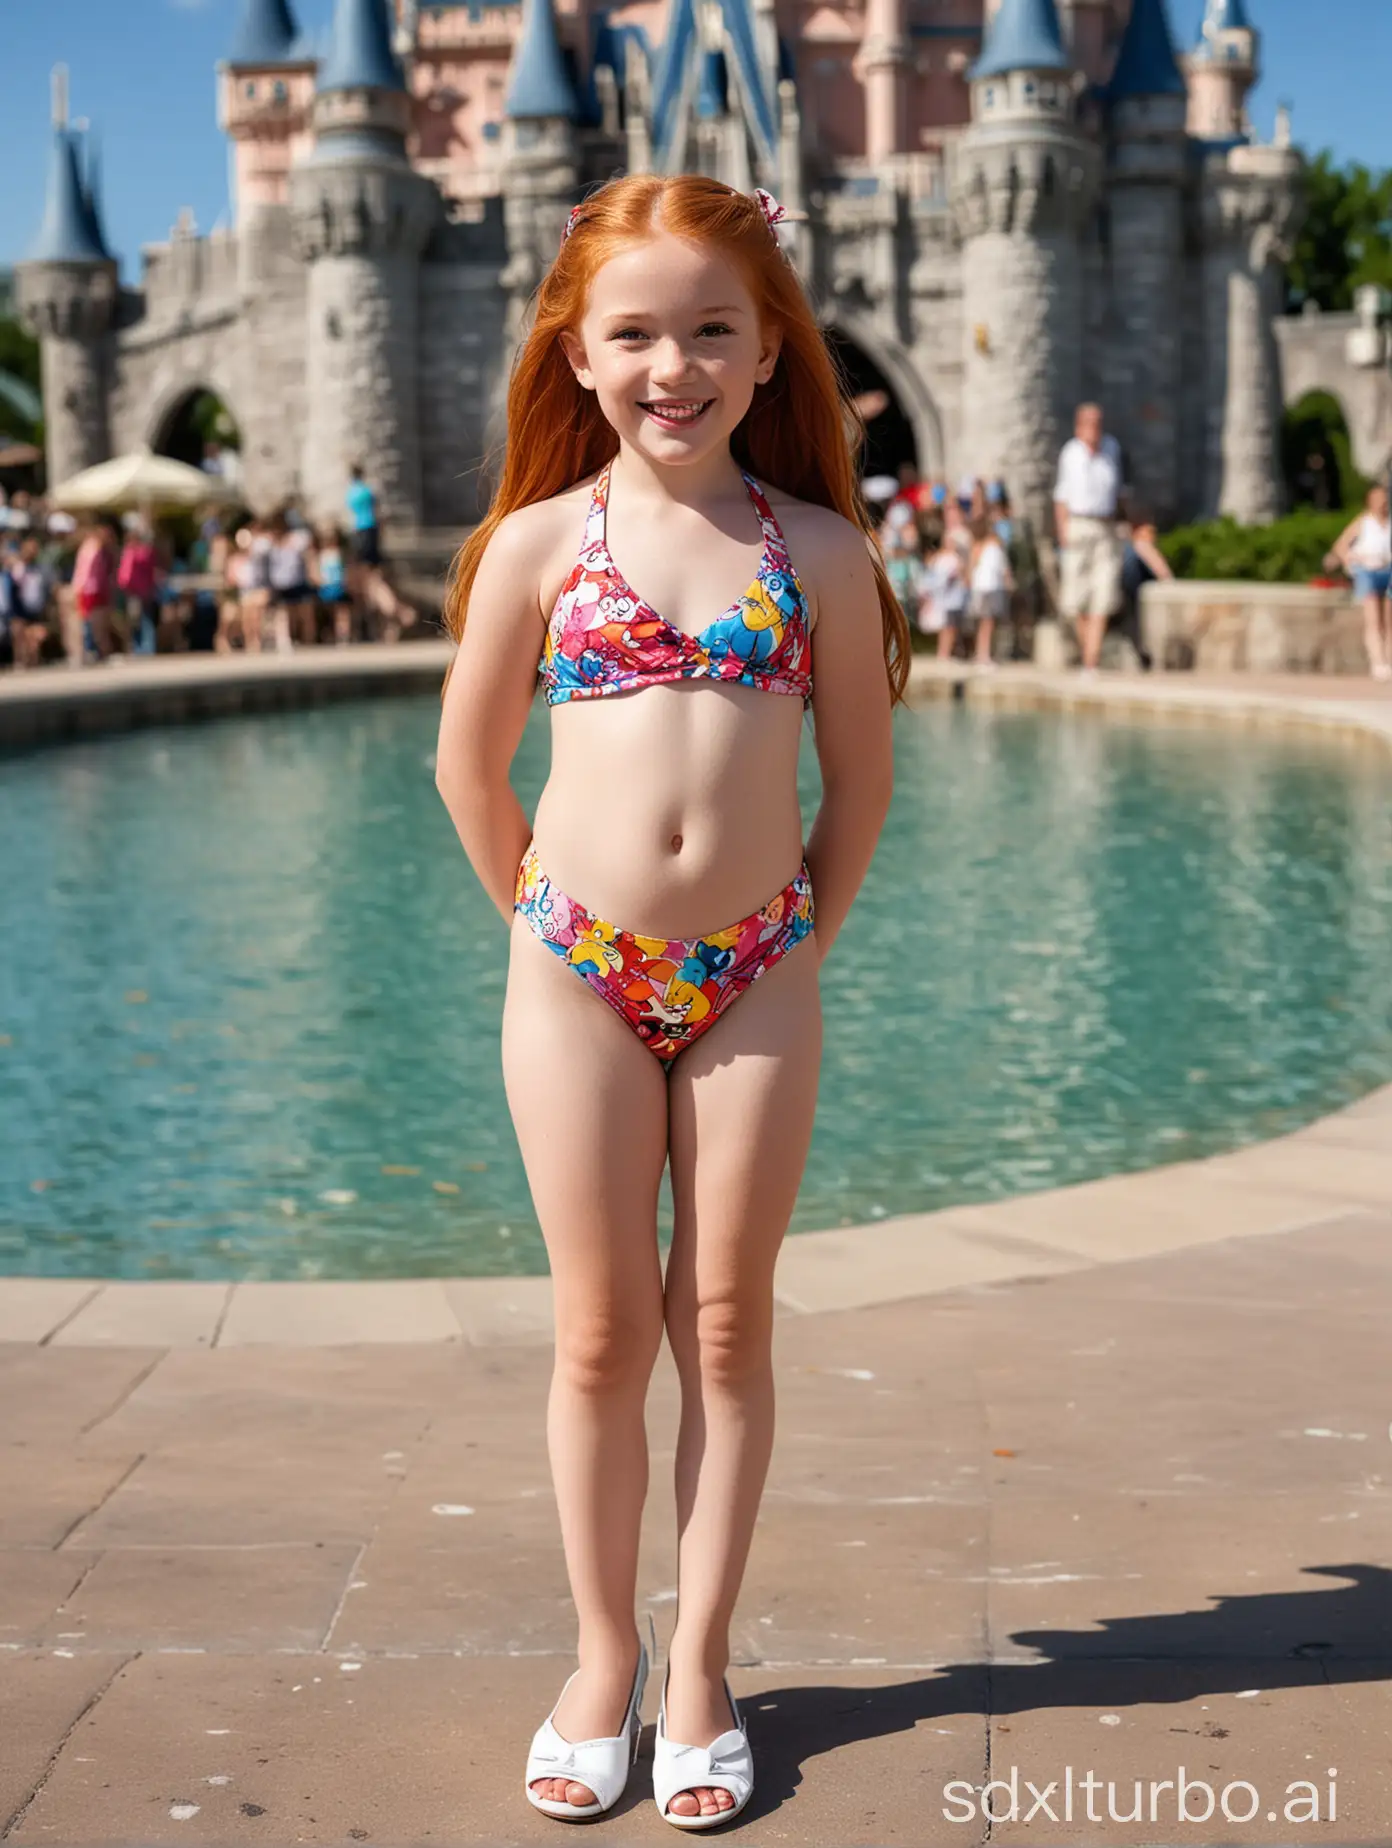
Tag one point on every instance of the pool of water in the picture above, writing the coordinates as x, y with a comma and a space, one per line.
250, 990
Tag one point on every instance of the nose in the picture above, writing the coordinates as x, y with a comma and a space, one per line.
669, 362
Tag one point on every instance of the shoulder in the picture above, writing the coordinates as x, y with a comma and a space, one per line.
536, 545
529, 532
818, 538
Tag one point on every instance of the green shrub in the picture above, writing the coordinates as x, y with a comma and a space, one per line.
1289, 551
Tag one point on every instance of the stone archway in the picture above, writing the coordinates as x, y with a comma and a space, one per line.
189, 417
904, 382
1319, 353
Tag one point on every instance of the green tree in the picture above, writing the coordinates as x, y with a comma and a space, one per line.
1346, 238
19, 382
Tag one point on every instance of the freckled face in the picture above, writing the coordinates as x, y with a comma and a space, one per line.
672, 346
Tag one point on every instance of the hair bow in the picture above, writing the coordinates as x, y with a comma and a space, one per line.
773, 212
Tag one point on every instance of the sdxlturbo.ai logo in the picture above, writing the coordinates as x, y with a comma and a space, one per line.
1074, 1798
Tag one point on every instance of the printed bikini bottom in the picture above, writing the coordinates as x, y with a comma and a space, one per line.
669, 990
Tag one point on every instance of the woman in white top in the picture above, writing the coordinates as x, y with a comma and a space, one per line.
991, 585
1364, 550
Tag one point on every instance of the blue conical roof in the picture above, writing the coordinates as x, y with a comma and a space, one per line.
69, 233
1023, 36
360, 51
1146, 64
1227, 16
266, 33
91, 195
541, 83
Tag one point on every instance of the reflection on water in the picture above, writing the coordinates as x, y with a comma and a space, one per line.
250, 991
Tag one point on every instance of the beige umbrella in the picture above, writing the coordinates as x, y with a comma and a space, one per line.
156, 484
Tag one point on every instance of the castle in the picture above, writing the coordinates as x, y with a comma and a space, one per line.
997, 217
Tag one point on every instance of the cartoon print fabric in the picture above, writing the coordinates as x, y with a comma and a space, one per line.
603, 638
668, 990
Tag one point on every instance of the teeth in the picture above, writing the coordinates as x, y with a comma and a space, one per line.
674, 413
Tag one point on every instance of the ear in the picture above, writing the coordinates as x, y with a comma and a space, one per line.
574, 349
771, 346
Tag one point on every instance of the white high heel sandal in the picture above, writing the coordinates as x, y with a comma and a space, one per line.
602, 1765
726, 1763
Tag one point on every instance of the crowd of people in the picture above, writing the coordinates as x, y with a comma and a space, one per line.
967, 570
960, 564
90, 591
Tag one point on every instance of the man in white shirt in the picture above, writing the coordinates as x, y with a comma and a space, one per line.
1088, 497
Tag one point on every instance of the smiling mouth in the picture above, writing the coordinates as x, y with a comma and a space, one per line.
677, 410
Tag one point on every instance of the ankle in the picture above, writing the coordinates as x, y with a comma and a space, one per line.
609, 1650
706, 1659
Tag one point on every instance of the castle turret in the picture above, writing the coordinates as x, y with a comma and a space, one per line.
1251, 204
362, 218
883, 66
1222, 69
1024, 180
541, 170
66, 293
265, 90
1146, 107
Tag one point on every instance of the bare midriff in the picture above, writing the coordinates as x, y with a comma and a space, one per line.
672, 810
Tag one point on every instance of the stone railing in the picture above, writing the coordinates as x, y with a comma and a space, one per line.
1257, 628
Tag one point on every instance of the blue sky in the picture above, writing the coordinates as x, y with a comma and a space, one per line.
143, 72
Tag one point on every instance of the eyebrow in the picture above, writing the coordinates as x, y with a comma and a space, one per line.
639, 314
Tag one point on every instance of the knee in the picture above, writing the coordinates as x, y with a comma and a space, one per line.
733, 1340
607, 1352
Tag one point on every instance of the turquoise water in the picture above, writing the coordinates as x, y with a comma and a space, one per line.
250, 990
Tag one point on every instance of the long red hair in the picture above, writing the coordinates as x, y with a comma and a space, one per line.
800, 433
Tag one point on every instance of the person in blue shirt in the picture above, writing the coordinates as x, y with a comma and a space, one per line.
362, 516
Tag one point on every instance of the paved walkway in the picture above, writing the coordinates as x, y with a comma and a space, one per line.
281, 1561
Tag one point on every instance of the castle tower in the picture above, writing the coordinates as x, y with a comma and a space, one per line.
1250, 211
882, 65
1222, 69
265, 91
361, 220
1023, 183
541, 170
66, 294
1146, 103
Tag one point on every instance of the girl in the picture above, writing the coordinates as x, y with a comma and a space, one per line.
1364, 550
943, 587
138, 575
94, 585
991, 585
330, 565
677, 535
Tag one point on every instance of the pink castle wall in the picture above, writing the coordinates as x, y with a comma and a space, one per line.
460, 75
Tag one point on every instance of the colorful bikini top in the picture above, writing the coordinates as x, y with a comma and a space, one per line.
603, 638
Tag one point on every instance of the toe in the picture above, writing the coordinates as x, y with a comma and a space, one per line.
685, 1803
580, 1795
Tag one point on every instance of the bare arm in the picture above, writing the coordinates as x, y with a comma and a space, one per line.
1151, 555
851, 704
1339, 551
1061, 521
486, 705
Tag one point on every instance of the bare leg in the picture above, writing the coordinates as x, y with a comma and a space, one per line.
947, 641
985, 629
1373, 638
589, 1104
741, 1103
1090, 633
